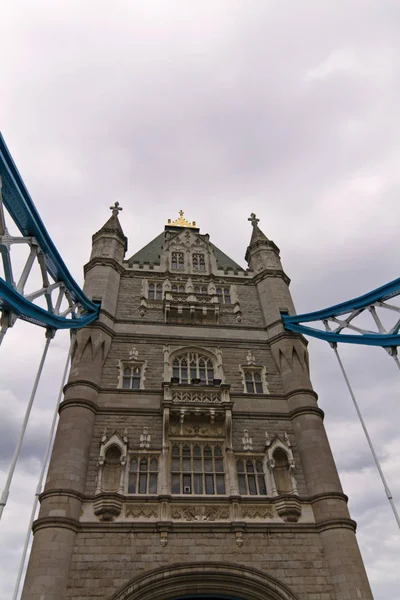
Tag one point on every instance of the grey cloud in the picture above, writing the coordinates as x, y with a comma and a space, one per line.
221, 109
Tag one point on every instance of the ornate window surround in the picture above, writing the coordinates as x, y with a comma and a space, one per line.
271, 446
106, 443
254, 368
215, 356
131, 364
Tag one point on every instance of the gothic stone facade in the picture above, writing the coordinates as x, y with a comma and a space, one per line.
191, 457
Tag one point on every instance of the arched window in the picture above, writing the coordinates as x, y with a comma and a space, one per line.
224, 295
143, 472
193, 367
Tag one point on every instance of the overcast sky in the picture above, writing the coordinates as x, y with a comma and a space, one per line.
285, 108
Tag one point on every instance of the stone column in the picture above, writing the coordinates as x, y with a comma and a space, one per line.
58, 522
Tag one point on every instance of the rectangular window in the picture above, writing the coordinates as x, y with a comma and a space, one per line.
253, 381
131, 377
197, 469
251, 477
224, 295
177, 261
143, 473
198, 262
155, 291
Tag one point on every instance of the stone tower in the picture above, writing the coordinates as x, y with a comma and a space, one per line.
191, 458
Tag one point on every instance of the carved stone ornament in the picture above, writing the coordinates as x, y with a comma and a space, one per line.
133, 353
250, 358
247, 441
239, 538
145, 439
200, 513
257, 512
144, 511
107, 507
289, 509
196, 396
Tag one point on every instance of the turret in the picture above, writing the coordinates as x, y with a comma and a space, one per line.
263, 258
103, 271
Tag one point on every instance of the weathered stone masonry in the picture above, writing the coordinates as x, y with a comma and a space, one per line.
190, 456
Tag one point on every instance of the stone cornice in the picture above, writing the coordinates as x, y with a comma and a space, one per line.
336, 524
103, 262
297, 391
192, 526
284, 335
328, 496
307, 410
56, 523
133, 499
265, 273
62, 492
82, 382
81, 402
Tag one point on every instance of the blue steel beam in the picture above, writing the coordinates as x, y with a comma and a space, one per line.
354, 307
20, 206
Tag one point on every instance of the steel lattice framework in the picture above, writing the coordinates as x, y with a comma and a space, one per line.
372, 319
64, 305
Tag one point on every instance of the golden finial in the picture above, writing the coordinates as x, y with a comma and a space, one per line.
181, 222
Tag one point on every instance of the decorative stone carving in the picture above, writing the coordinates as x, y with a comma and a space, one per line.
163, 538
256, 512
289, 509
247, 441
112, 461
250, 358
144, 511
239, 538
107, 507
200, 513
196, 396
133, 353
281, 464
145, 439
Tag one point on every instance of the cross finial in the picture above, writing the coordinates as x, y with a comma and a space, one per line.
253, 219
181, 213
115, 209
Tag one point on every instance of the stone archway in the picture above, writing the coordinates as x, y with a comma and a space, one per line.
196, 580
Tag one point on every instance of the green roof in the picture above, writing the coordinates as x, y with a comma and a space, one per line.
152, 251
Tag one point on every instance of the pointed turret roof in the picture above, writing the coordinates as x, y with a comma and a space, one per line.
258, 237
113, 226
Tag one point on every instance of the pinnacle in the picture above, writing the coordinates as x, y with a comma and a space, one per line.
257, 235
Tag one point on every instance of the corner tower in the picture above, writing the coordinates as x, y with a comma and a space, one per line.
191, 458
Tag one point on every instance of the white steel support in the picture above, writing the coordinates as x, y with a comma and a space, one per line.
42, 472
378, 466
4, 496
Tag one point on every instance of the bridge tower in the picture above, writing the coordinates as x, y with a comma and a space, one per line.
191, 458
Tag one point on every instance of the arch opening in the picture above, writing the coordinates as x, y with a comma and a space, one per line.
205, 581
